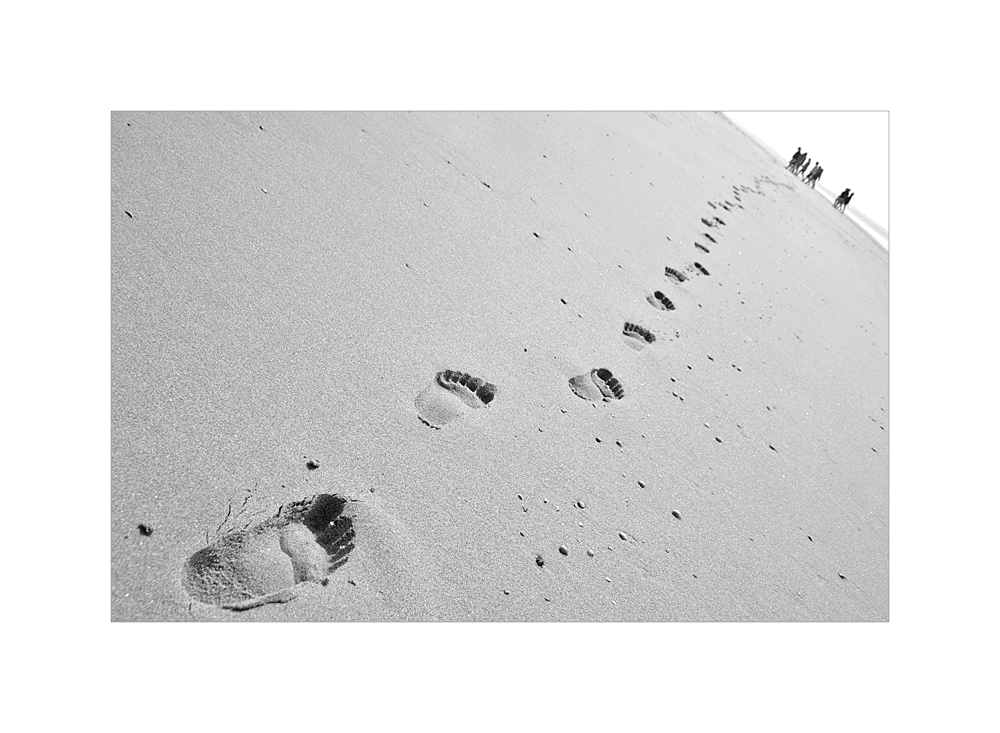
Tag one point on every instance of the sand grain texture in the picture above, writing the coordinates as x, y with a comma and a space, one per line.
286, 286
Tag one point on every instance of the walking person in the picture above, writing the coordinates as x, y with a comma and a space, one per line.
842, 199
814, 176
794, 160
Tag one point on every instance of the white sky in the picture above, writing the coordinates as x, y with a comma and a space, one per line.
852, 147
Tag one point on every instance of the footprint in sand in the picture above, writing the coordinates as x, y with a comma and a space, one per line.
450, 394
598, 385
305, 541
702, 247
675, 275
660, 301
700, 268
637, 337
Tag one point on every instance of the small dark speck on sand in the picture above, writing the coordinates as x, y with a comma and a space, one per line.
563, 549
590, 553
718, 439
581, 505
325, 581
145, 530
676, 514
312, 465
642, 484
539, 561
352, 583
129, 214
623, 535
842, 576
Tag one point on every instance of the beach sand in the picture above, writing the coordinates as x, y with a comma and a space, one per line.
287, 287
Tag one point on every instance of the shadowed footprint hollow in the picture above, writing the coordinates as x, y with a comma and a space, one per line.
304, 542
450, 395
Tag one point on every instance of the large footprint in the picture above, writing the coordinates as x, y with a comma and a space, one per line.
450, 394
305, 541
599, 384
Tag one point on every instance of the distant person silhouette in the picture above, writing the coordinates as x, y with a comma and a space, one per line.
814, 175
842, 199
793, 163
803, 168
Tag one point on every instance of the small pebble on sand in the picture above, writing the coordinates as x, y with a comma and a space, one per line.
676, 514
563, 549
623, 535
642, 484
590, 553
581, 505
539, 561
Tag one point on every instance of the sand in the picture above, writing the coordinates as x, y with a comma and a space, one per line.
286, 289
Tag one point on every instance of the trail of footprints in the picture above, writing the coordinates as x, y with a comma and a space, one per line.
451, 394
308, 540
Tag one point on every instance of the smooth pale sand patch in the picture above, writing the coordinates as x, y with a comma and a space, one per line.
394, 565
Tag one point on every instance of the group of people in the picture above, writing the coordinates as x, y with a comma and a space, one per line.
843, 199
799, 166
